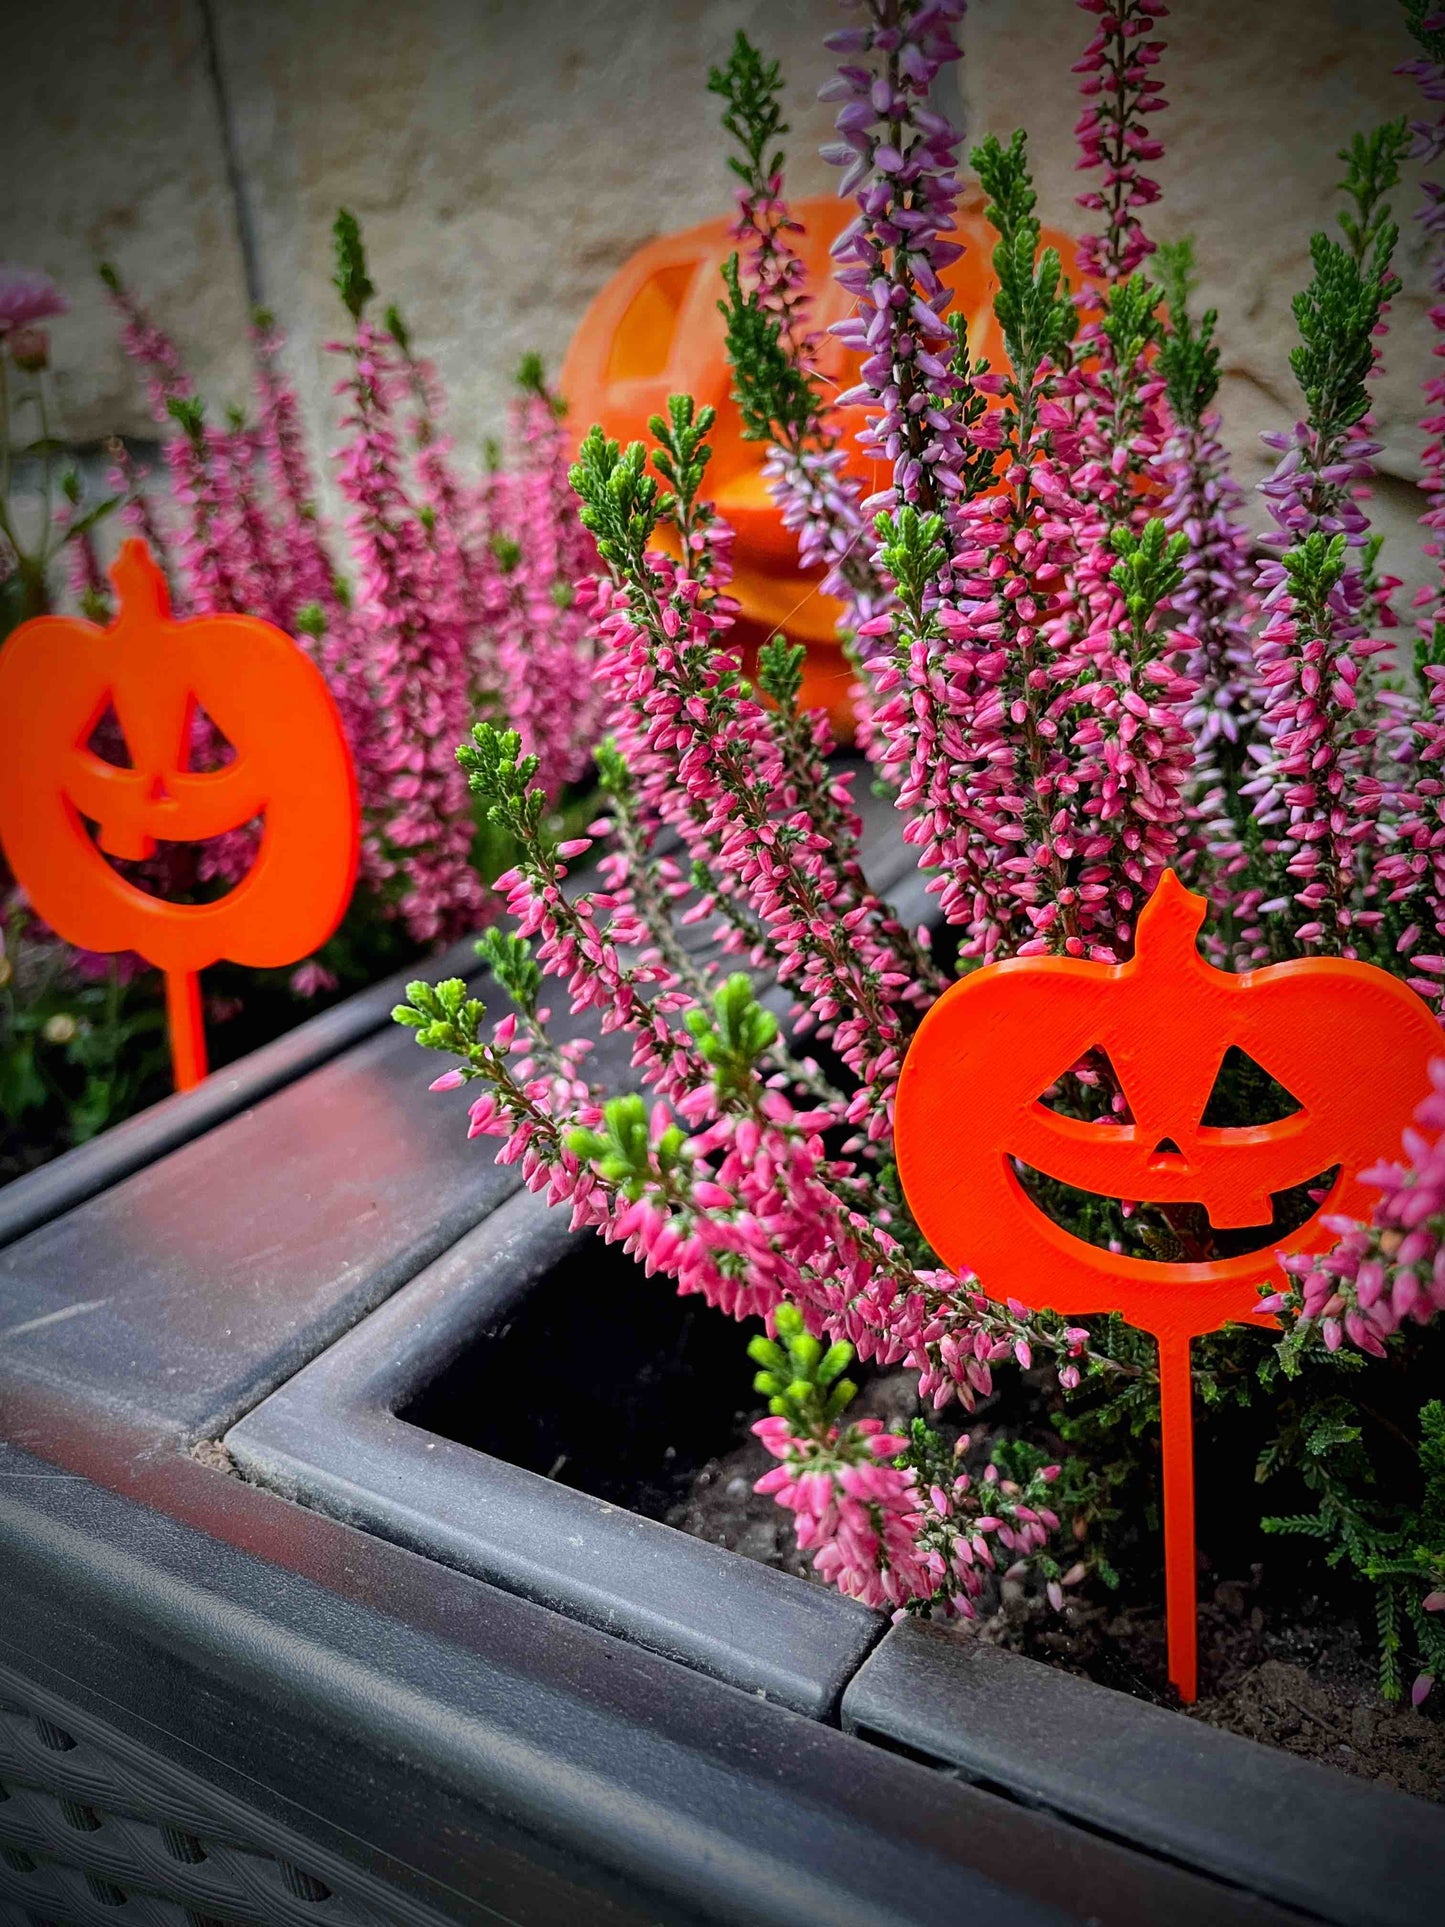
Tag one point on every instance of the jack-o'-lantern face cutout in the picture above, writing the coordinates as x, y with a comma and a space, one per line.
655, 330
1350, 1044
145, 677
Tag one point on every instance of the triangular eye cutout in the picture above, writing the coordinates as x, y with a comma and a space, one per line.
1245, 1093
1090, 1089
642, 343
209, 747
107, 740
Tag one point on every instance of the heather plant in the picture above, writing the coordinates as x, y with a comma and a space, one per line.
1074, 671
52, 523
440, 597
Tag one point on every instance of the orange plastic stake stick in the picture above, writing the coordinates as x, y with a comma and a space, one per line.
186, 1028
1176, 1425
291, 773
1351, 1044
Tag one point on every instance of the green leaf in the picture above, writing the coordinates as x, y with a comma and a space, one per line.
350, 278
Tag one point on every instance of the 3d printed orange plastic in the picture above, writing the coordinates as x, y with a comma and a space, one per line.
655, 330
1350, 1044
291, 770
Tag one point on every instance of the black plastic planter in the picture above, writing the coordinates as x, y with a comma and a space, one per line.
421, 1664
528, 1340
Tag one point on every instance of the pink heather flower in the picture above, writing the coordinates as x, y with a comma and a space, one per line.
27, 296
770, 265
152, 350
412, 653
1414, 868
1381, 1275
859, 1519
743, 813
1317, 791
533, 644
877, 1536
309, 979
304, 559
1114, 134
137, 512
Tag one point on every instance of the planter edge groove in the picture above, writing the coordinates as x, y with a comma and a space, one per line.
1297, 1832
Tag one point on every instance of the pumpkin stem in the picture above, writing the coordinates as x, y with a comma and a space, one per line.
142, 593
1170, 921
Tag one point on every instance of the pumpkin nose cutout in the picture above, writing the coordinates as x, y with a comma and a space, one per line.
1167, 1155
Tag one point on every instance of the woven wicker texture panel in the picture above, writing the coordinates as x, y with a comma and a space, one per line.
90, 1833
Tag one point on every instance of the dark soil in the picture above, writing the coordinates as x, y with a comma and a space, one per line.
1275, 1664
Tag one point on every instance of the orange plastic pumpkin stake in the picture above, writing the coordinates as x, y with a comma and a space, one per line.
60, 675
1351, 1044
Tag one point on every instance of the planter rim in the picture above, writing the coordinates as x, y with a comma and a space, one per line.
1344, 1849
492, 1758
55, 1187
330, 1437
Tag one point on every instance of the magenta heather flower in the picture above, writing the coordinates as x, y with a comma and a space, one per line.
26, 297
413, 656
418, 640
532, 641
137, 512
1381, 1275
308, 570
1414, 868
1429, 145
1115, 380
710, 762
150, 348
860, 1519
447, 512
312, 977
1318, 792
902, 1534
1113, 131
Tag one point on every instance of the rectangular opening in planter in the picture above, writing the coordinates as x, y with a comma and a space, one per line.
602, 1379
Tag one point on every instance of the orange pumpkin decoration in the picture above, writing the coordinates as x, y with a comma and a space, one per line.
1351, 1044
655, 331
60, 675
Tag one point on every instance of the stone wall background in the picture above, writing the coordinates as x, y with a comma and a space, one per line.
504, 156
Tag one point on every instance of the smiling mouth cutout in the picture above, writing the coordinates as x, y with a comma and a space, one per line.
1172, 1233
1176, 1231
131, 839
